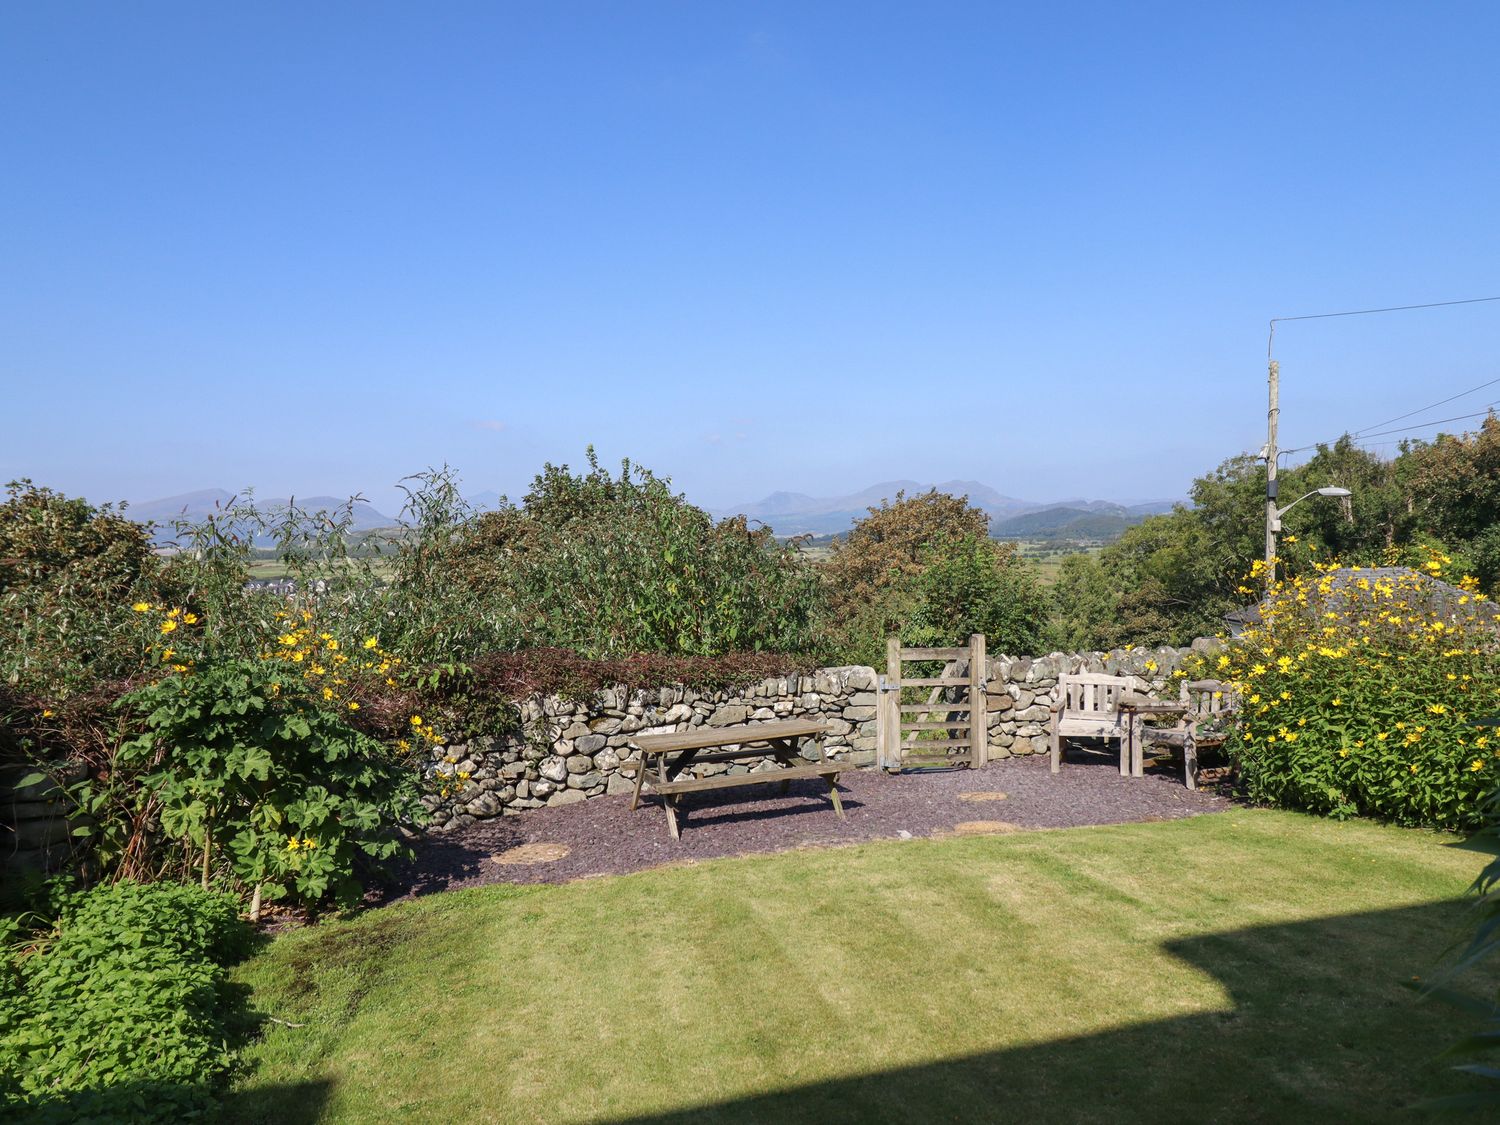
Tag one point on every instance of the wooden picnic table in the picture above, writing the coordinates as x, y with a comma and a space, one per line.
673, 753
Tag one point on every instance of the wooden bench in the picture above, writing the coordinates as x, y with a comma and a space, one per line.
1088, 706
1204, 711
675, 752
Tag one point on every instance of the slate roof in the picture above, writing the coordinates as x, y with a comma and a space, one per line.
1442, 595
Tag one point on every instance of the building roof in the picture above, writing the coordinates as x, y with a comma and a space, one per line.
1443, 596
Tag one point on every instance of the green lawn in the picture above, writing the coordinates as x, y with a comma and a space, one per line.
1239, 967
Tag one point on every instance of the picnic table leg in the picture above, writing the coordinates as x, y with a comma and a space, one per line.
679, 763
833, 794
782, 751
667, 802
640, 777
1190, 759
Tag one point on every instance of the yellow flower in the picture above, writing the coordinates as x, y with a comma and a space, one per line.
370, 642
168, 625
47, 714
333, 646
1476, 765
190, 619
140, 607
292, 845
328, 693
416, 720
1437, 709
353, 706
308, 843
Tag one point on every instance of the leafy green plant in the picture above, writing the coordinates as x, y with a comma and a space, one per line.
119, 1010
241, 767
979, 586
608, 566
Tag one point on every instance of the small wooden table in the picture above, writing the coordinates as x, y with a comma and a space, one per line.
677, 751
1138, 707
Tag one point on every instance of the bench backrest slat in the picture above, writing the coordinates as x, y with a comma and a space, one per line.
1091, 693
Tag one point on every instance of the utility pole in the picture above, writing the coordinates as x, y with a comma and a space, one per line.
1273, 379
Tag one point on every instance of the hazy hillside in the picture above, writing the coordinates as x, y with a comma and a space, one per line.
1065, 523
197, 506
796, 513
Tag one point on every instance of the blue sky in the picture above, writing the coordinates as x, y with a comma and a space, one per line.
313, 248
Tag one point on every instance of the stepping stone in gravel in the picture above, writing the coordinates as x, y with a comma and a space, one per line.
983, 795
984, 828
528, 854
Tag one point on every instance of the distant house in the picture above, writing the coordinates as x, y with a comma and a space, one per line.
1444, 596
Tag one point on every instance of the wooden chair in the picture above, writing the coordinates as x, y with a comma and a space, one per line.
1209, 707
1088, 706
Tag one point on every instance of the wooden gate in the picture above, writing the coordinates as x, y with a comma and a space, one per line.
901, 741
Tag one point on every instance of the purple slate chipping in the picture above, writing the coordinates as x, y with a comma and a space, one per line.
604, 837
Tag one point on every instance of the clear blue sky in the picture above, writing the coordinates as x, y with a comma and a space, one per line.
314, 247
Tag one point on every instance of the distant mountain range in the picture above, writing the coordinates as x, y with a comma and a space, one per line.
194, 507
794, 513
788, 513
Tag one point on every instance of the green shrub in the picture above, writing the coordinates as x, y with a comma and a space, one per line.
924, 568
240, 765
979, 586
121, 1012
67, 573
1359, 696
608, 567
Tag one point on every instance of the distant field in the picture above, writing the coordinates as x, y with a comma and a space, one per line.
275, 568
1047, 555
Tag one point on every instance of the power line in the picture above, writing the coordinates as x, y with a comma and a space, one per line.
1369, 430
1275, 320
1428, 425
1425, 409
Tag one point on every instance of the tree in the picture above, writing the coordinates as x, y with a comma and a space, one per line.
924, 567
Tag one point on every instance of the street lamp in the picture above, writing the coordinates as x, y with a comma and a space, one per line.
1273, 520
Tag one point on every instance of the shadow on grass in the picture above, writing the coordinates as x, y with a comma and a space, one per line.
1321, 1028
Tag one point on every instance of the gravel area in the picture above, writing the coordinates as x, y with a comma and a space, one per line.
604, 837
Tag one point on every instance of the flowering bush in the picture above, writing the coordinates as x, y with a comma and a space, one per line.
240, 763
1360, 693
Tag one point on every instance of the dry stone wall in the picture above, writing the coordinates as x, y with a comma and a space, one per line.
35, 833
570, 751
